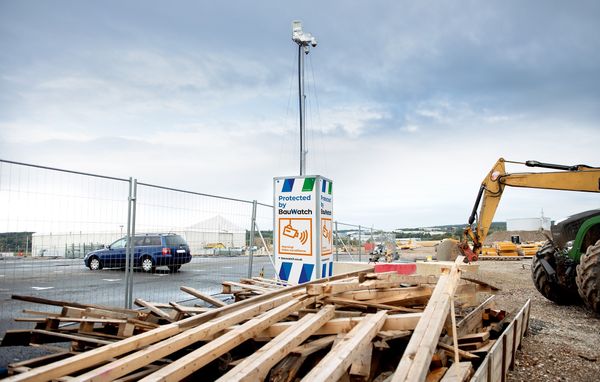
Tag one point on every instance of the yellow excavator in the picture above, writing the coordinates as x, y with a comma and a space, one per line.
567, 267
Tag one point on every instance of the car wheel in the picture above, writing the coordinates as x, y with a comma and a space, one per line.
174, 268
147, 264
95, 264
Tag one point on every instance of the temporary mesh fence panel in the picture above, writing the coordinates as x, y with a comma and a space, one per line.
359, 243
52, 221
49, 220
216, 229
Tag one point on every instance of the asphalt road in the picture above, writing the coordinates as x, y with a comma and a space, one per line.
70, 280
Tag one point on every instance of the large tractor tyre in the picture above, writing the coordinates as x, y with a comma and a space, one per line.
549, 289
588, 277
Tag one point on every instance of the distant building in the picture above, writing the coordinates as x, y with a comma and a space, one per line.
528, 224
202, 237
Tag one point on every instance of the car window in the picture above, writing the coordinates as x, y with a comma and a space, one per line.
152, 240
138, 240
121, 243
174, 240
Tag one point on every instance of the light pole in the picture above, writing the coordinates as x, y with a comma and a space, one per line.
121, 226
304, 41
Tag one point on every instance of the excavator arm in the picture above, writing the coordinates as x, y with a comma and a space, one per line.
568, 178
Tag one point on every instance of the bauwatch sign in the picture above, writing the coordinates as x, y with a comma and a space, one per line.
303, 236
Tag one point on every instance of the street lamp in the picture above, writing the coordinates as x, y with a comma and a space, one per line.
304, 41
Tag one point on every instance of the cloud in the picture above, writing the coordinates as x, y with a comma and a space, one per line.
408, 105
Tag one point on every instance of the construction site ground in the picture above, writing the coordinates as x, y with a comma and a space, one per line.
563, 343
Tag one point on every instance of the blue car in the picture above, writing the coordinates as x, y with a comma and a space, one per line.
150, 251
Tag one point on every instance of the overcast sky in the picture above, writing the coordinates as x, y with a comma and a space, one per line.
410, 103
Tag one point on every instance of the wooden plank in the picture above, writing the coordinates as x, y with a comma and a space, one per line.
46, 301
436, 375
140, 374
41, 360
105, 353
473, 346
314, 346
282, 283
260, 283
392, 294
154, 309
188, 309
496, 361
256, 366
458, 372
367, 304
473, 320
168, 346
414, 363
104, 313
332, 288
407, 321
339, 359
361, 365
204, 297
71, 337
253, 288
200, 357
474, 337
461, 353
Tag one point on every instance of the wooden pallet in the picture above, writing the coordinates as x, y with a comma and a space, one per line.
363, 326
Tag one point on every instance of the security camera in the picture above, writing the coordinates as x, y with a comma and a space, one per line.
313, 42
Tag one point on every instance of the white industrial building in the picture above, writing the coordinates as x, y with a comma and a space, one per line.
71, 244
216, 231
213, 231
528, 224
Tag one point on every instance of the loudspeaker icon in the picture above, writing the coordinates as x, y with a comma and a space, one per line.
303, 237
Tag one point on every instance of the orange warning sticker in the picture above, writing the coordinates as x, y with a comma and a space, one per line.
295, 236
326, 237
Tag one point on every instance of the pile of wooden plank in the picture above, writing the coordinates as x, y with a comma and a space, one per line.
87, 326
360, 326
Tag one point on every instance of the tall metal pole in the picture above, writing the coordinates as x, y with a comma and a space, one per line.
304, 41
301, 99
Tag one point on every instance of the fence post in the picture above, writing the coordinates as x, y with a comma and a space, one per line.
251, 240
337, 238
130, 249
359, 243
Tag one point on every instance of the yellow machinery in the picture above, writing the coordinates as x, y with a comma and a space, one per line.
530, 249
406, 244
567, 267
214, 246
489, 251
506, 248
570, 178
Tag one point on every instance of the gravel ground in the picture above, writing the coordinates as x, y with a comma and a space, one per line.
563, 342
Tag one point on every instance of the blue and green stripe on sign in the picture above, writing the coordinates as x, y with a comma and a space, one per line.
306, 272
307, 186
326, 187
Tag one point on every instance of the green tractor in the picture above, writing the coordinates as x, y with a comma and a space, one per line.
567, 268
